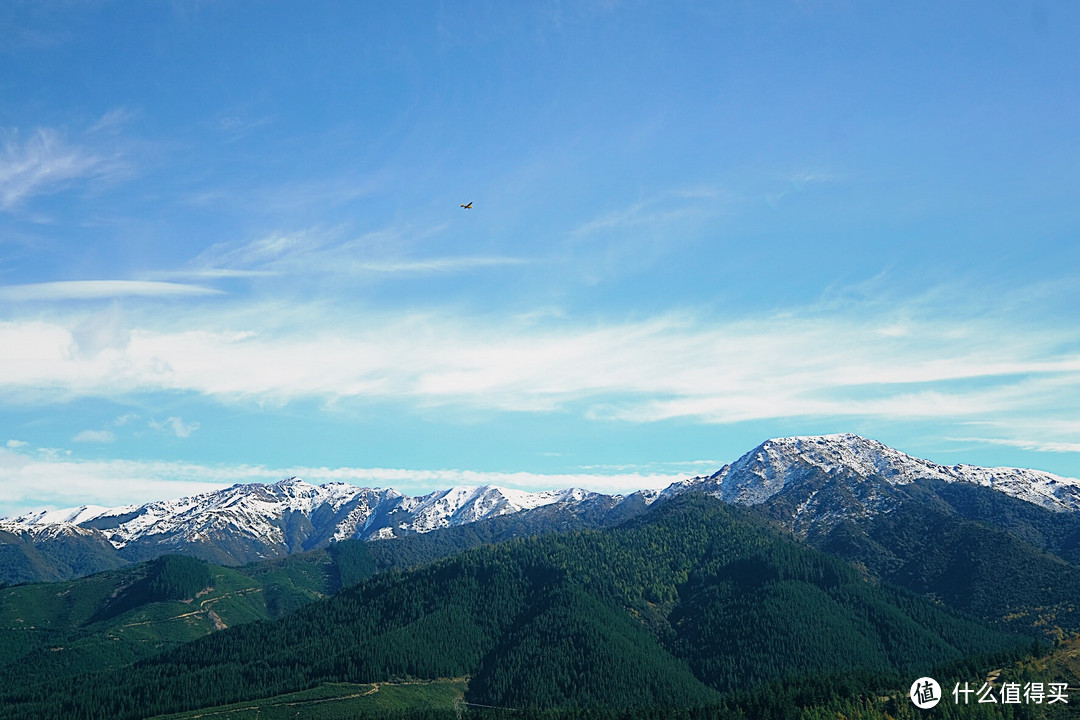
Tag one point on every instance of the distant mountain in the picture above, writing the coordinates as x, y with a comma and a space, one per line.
1002, 544
684, 605
779, 464
108, 620
250, 522
679, 598
810, 485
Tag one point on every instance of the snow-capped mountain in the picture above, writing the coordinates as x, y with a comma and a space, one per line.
809, 484
805, 482
255, 521
778, 463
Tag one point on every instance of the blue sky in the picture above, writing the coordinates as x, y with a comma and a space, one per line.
232, 247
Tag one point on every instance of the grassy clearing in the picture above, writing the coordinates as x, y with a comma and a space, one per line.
84, 625
331, 701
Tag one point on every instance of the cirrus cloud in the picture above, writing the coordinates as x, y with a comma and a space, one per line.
175, 426
43, 163
95, 436
665, 367
99, 289
53, 481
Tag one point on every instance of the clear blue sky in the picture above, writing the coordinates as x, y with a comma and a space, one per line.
231, 245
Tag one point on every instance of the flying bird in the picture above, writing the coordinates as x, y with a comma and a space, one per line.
467, 207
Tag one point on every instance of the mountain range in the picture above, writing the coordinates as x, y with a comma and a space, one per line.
811, 485
686, 605
814, 577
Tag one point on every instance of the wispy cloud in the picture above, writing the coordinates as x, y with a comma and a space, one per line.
175, 426
824, 364
437, 264
807, 177
113, 120
208, 274
636, 235
264, 251
322, 252
99, 289
657, 212
1033, 445
37, 481
238, 125
100, 331
94, 436
44, 163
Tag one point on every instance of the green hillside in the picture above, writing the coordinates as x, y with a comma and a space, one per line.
112, 619
979, 551
685, 606
26, 558
332, 701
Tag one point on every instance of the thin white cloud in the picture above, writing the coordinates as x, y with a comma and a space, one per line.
265, 251
664, 211
99, 332
99, 289
684, 468
113, 120
175, 426
237, 126
59, 481
674, 366
427, 480
16, 444
94, 436
208, 274
435, 264
805, 177
53, 454
1032, 445
318, 251
43, 163
658, 212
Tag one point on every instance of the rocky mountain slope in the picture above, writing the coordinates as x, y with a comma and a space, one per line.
808, 484
250, 522
781, 463
692, 602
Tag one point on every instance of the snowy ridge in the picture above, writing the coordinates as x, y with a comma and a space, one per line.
267, 514
822, 478
776, 464
72, 516
460, 505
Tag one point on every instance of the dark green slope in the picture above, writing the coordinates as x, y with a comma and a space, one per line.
690, 599
414, 550
573, 649
111, 619
26, 558
349, 562
1053, 532
977, 550
29, 558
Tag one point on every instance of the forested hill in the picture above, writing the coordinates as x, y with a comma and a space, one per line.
692, 600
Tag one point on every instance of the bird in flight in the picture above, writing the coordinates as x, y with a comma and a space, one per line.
467, 207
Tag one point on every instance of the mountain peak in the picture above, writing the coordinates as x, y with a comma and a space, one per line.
779, 462
290, 481
812, 480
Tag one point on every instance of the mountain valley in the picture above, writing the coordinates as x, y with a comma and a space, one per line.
560, 601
